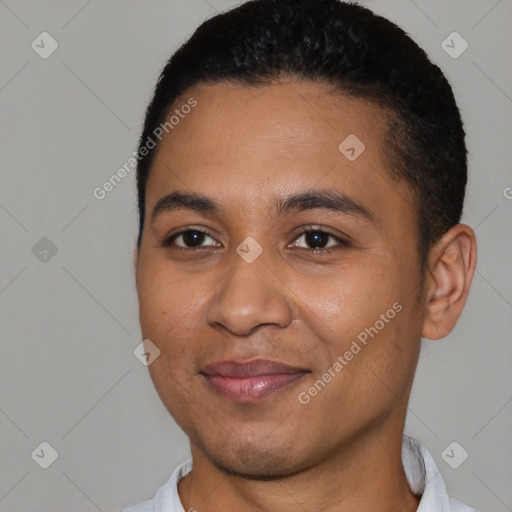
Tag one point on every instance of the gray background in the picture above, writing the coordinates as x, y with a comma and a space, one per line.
69, 324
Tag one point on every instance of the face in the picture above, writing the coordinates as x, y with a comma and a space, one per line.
328, 283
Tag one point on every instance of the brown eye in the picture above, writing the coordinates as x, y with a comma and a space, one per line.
319, 239
188, 239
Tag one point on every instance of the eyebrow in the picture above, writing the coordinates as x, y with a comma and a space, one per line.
312, 199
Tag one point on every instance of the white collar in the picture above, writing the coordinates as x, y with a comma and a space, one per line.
421, 471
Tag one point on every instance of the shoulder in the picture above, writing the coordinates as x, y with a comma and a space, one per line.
457, 506
166, 498
146, 506
425, 479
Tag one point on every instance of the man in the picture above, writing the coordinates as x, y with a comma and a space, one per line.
301, 180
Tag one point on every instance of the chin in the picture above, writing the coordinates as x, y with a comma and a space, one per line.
254, 461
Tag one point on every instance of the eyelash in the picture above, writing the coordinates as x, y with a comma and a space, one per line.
169, 242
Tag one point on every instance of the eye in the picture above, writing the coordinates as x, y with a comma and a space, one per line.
190, 238
319, 237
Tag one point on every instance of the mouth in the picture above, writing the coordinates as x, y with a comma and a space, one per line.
250, 381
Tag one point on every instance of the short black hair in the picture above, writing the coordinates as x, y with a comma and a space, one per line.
359, 54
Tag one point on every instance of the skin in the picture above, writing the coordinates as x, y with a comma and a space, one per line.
244, 148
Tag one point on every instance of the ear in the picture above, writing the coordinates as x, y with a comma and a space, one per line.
451, 264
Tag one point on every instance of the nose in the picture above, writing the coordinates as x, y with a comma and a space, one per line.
250, 295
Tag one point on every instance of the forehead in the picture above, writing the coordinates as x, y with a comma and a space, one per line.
287, 118
246, 146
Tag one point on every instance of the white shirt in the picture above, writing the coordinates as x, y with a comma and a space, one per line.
422, 475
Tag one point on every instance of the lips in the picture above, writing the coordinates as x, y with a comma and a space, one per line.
248, 381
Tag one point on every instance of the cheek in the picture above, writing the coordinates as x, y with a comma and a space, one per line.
172, 316
350, 300
368, 314
164, 298
168, 310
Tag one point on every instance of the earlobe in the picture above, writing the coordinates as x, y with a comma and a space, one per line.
452, 266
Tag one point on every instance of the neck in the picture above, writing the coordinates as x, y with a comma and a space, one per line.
365, 473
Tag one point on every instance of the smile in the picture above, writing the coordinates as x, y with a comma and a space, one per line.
249, 381
250, 389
